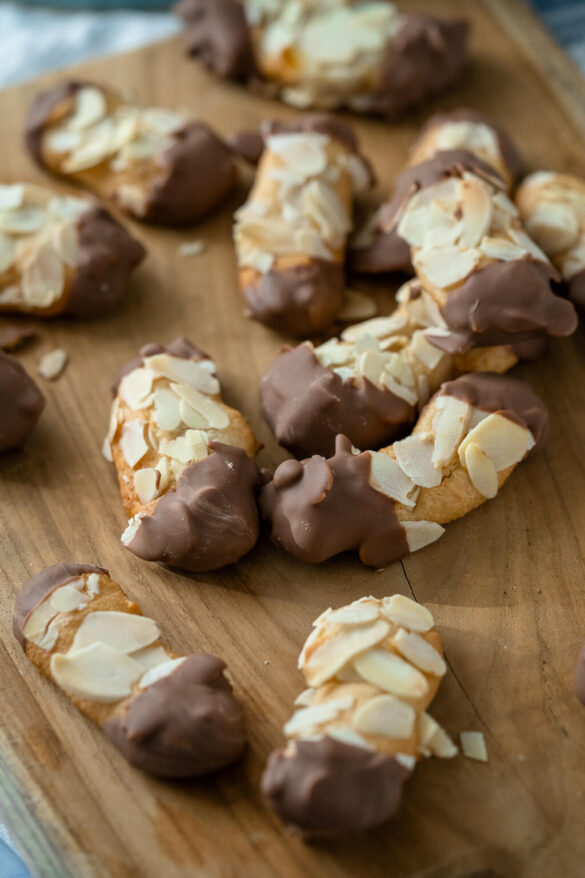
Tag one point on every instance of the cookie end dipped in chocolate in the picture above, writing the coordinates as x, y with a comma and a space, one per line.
319, 508
209, 520
48, 106
184, 725
322, 787
40, 587
217, 32
21, 403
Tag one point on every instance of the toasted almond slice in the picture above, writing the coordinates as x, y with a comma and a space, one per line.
192, 418
167, 412
89, 108
309, 242
397, 389
502, 440
93, 583
215, 415
66, 243
315, 714
22, 221
435, 740
449, 424
306, 698
520, 238
11, 196
94, 149
165, 669
303, 154
52, 364
43, 277
124, 632
198, 441
553, 226
96, 673
161, 121
112, 430
179, 449
195, 373
474, 746
324, 206
7, 252
391, 673
337, 651
407, 613
446, 266
163, 468
477, 211
347, 735
371, 365
357, 613
132, 529
385, 715
414, 455
420, 652
146, 484
425, 352
132, 443
67, 598
135, 387
191, 248
501, 249
67, 207
420, 534
35, 626
150, 657
334, 353
62, 141
481, 470
415, 225
387, 477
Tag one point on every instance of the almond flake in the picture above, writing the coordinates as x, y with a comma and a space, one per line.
446, 266
414, 455
93, 583
132, 197
132, 443
124, 632
135, 387
36, 624
418, 651
11, 196
196, 374
160, 672
407, 613
502, 440
90, 108
420, 534
52, 364
61, 141
146, 482
180, 449
67, 598
302, 154
23, 221
334, 353
7, 252
407, 760
150, 657
501, 249
554, 227
96, 673
305, 699
66, 243
43, 277
477, 211
481, 470
191, 248
425, 352
215, 415
387, 477
67, 207
377, 327
385, 715
163, 468
167, 413
473, 746
132, 529
434, 740
347, 735
192, 418
391, 673
337, 651
309, 717
357, 613
449, 423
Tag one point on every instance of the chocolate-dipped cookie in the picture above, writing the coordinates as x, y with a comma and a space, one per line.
466, 443
61, 254
21, 403
184, 461
367, 57
172, 716
156, 165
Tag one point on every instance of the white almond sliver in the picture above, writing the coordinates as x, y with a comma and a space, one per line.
481, 471
66, 243
11, 196
385, 715
67, 598
36, 624
305, 698
391, 673
96, 673
179, 449
191, 418
420, 652
473, 746
23, 221
420, 534
434, 740
387, 477
135, 387
347, 735
449, 424
502, 440
429, 355
160, 672
337, 651
197, 439
377, 327
397, 389
7, 252
407, 613
501, 249
125, 632
93, 583
167, 412
415, 455
52, 364
215, 415
406, 760
132, 443
43, 277
314, 715
90, 107
357, 613
146, 484
334, 353
150, 657
67, 207
61, 141
477, 211
446, 266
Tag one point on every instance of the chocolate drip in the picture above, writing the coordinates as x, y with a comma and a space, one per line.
327, 786
217, 31
307, 405
184, 725
40, 587
319, 508
210, 520
21, 403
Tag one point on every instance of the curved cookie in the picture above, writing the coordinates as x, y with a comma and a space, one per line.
465, 444
291, 234
184, 461
373, 668
21, 403
154, 164
61, 254
172, 716
363, 56
552, 207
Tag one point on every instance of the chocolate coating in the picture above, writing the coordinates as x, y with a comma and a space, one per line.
108, 255
505, 303
249, 145
40, 112
39, 587
319, 508
21, 403
307, 405
580, 676
217, 31
577, 290
298, 301
178, 347
492, 392
184, 725
210, 520
328, 786
317, 123
198, 175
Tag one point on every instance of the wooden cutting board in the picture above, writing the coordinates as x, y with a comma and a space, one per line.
506, 584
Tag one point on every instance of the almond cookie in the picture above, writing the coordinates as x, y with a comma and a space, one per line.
466, 442
372, 668
61, 254
364, 56
184, 461
154, 164
552, 207
291, 234
21, 403
170, 715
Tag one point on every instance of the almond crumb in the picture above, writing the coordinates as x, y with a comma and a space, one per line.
191, 248
473, 746
52, 364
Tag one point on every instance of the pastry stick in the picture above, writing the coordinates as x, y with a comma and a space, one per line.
170, 715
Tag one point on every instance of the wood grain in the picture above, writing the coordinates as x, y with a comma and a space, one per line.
505, 584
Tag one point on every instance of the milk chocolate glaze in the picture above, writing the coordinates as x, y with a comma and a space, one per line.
41, 111
577, 290
21, 403
108, 255
426, 57
299, 301
492, 392
184, 725
40, 587
198, 175
327, 786
388, 252
307, 405
506, 303
179, 347
248, 145
319, 508
580, 676
210, 520
217, 31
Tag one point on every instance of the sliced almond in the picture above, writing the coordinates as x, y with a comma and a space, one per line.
357, 613
502, 440
429, 355
125, 632
305, 698
163, 468
420, 652
553, 226
182, 371
473, 746
93, 583
481, 470
96, 673
66, 243
132, 443
135, 387
347, 735
67, 599
334, 353
179, 449
133, 197
37, 622
414, 455
377, 327
150, 657
90, 108
23, 221
215, 415
67, 207
303, 154
387, 477
167, 412
449, 424
43, 277
477, 211
313, 716
192, 418
7, 252
146, 484
407, 613
502, 250
385, 715
197, 439
11, 196
337, 651
435, 740
52, 364
391, 673
160, 672
444, 267
420, 534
